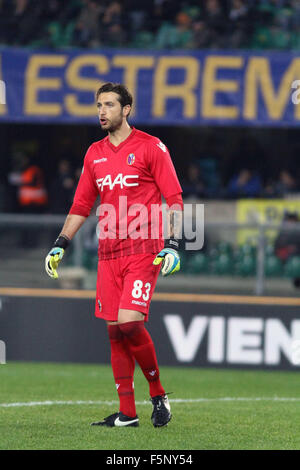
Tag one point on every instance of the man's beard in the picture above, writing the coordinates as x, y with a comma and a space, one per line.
115, 124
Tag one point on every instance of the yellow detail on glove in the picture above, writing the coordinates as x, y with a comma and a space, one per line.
170, 261
52, 261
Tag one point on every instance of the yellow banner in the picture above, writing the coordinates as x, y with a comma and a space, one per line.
263, 211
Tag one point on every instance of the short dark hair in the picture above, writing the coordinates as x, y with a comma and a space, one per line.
125, 96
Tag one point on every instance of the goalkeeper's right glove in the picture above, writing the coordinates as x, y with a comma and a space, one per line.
55, 255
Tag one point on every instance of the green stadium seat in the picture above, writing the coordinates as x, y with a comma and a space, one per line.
90, 260
248, 250
292, 267
183, 262
213, 254
225, 248
269, 250
273, 266
198, 263
246, 266
224, 264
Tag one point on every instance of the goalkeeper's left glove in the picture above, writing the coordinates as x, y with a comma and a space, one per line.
169, 257
55, 255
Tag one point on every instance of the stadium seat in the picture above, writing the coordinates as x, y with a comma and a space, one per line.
273, 266
248, 250
198, 263
224, 264
183, 262
292, 267
246, 266
269, 250
90, 260
225, 248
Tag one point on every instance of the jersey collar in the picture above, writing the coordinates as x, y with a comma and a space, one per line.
115, 148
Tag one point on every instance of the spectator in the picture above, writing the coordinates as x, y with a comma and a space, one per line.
286, 184
239, 24
176, 36
62, 189
112, 32
245, 184
24, 22
193, 185
60, 17
214, 19
287, 243
29, 179
31, 194
201, 34
131, 23
86, 33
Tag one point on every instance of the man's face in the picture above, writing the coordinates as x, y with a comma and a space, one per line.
110, 111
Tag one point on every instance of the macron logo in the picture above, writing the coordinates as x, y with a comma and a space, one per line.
101, 160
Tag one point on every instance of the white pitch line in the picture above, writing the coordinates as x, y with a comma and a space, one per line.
145, 402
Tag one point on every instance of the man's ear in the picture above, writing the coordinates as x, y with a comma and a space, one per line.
126, 110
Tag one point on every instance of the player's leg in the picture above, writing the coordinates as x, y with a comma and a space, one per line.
123, 365
131, 324
140, 347
122, 360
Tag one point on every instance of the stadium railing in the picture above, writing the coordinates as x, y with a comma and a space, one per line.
230, 250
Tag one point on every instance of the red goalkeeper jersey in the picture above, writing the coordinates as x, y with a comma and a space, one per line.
130, 180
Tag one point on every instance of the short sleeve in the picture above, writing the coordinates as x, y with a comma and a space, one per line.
86, 191
162, 169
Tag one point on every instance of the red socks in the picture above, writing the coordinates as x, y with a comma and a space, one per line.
123, 365
130, 341
142, 347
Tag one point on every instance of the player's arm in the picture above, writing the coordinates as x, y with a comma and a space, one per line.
169, 256
85, 195
72, 224
165, 177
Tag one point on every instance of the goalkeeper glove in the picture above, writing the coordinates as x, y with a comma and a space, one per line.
169, 257
55, 255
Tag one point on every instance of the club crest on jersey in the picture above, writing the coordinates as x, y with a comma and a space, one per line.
131, 159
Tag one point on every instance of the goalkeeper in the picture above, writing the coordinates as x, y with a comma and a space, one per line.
130, 165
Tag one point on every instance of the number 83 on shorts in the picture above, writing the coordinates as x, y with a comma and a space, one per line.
127, 282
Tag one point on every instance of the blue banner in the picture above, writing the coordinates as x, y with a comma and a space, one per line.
239, 88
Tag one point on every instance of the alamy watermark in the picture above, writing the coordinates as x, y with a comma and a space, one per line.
296, 93
2, 352
2, 92
139, 221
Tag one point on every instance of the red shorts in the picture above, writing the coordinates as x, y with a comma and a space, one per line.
126, 282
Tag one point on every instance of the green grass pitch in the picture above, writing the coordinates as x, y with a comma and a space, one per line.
262, 409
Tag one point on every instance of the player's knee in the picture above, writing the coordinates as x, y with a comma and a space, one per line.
114, 332
132, 328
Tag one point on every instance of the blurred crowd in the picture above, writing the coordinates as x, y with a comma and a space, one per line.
27, 189
28, 192
203, 181
158, 24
